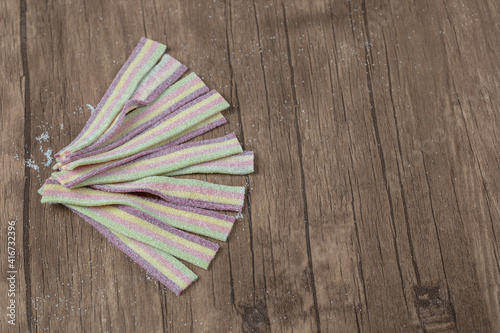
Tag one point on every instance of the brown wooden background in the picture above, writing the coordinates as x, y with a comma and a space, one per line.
375, 203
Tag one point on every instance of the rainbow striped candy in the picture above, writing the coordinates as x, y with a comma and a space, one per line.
239, 164
142, 59
189, 192
142, 227
196, 220
163, 75
159, 162
132, 144
73, 177
174, 124
163, 266
168, 160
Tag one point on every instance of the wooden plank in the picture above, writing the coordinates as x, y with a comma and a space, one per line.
14, 175
348, 199
284, 294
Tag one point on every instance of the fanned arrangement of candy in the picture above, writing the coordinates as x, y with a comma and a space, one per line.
118, 173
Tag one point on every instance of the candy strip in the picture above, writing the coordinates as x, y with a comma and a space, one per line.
74, 177
163, 75
175, 123
197, 220
168, 160
142, 59
137, 225
183, 92
167, 269
179, 94
133, 142
239, 164
189, 192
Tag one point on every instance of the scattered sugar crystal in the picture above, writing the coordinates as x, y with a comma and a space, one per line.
91, 108
30, 163
48, 156
44, 137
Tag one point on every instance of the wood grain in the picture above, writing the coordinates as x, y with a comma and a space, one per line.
374, 206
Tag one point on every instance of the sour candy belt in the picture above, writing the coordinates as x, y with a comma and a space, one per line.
117, 174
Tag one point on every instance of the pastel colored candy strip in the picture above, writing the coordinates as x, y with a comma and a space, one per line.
137, 225
196, 220
74, 177
135, 122
174, 124
187, 192
163, 75
191, 133
163, 266
239, 164
183, 92
168, 160
143, 58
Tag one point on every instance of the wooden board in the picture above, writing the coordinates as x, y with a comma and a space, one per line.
375, 202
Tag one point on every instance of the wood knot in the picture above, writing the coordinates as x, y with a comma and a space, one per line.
255, 318
435, 310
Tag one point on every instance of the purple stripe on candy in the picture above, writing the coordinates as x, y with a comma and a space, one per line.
193, 202
246, 152
52, 181
133, 255
168, 228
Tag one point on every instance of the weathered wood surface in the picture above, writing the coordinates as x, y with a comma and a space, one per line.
375, 203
